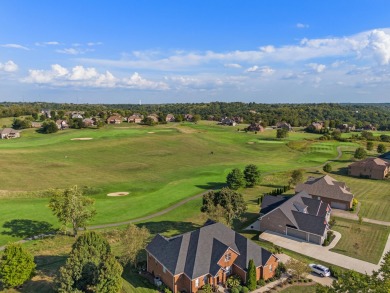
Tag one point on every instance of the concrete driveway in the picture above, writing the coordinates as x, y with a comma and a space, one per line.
319, 252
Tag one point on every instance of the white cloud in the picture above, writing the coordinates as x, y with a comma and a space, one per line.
267, 49
317, 67
263, 70
14, 46
232, 65
137, 82
379, 43
80, 76
73, 51
9, 66
94, 44
301, 25
50, 43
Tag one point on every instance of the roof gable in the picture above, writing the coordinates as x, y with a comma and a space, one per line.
197, 253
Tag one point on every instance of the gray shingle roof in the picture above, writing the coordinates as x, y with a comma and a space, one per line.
269, 203
196, 253
305, 213
326, 186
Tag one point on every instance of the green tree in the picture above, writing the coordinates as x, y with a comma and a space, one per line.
369, 146
71, 207
251, 276
327, 168
90, 267
196, 118
49, 126
251, 175
282, 133
21, 124
296, 177
148, 121
232, 203
133, 240
381, 148
235, 179
16, 266
360, 153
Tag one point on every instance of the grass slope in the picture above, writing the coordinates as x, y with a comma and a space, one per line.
158, 166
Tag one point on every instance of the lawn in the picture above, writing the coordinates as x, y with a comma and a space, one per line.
158, 166
362, 241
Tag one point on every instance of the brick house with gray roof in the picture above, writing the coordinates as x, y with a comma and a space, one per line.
207, 255
337, 194
7, 133
373, 168
298, 216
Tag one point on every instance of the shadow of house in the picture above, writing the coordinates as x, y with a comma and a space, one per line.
169, 226
24, 228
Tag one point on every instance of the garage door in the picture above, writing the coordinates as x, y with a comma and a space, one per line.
297, 234
338, 205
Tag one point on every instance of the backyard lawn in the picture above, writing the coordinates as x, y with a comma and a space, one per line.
364, 241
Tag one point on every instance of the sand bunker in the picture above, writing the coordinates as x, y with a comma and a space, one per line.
118, 193
150, 132
81, 138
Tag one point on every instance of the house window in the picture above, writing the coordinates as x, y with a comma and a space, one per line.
270, 268
228, 271
197, 283
164, 270
228, 256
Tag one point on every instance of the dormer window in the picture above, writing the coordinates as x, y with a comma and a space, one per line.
228, 256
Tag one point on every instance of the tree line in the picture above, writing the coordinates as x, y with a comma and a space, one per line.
268, 114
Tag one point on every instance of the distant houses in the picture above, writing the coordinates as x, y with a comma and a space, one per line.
227, 121
170, 118
8, 133
62, 124
135, 118
372, 168
284, 125
255, 127
114, 119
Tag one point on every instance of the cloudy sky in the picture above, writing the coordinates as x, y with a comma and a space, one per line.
162, 51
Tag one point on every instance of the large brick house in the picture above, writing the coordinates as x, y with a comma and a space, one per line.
207, 255
298, 216
373, 168
329, 190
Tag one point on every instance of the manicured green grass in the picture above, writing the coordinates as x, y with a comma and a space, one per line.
374, 196
158, 166
362, 241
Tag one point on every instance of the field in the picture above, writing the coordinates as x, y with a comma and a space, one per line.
158, 166
363, 241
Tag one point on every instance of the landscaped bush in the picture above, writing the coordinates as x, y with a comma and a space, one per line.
261, 282
244, 289
233, 281
281, 268
235, 290
336, 272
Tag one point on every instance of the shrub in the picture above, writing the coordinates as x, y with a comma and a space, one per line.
244, 289
336, 272
360, 153
281, 268
235, 290
233, 281
327, 168
261, 282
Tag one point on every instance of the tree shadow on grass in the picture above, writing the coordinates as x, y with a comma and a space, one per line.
341, 171
170, 227
26, 228
212, 185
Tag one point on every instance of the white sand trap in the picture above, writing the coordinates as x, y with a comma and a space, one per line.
82, 138
118, 194
150, 132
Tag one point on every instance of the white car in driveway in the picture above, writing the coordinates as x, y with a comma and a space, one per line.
320, 269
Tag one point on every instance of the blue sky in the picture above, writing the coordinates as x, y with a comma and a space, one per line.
195, 51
